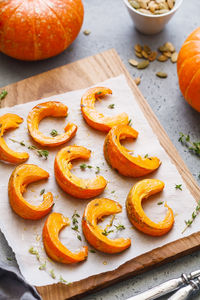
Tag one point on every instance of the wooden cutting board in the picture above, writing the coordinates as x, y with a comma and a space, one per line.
82, 74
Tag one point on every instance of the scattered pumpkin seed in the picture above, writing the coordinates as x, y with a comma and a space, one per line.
147, 49
152, 56
138, 48
174, 57
144, 54
86, 32
167, 53
133, 62
162, 58
137, 80
170, 46
143, 64
138, 54
161, 74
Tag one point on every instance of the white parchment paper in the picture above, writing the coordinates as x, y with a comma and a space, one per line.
23, 234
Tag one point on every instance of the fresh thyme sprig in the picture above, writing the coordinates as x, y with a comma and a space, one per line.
193, 217
39, 152
193, 147
106, 232
84, 166
75, 224
120, 227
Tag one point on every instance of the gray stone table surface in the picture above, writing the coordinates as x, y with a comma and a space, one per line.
111, 27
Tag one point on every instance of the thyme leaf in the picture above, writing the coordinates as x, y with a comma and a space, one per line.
54, 132
3, 94
111, 106
178, 187
193, 147
193, 217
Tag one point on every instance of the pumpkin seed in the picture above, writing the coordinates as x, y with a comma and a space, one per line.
170, 47
167, 53
143, 64
162, 58
133, 62
144, 11
86, 32
137, 80
147, 49
138, 54
144, 54
161, 11
174, 57
134, 4
152, 56
138, 48
170, 3
161, 74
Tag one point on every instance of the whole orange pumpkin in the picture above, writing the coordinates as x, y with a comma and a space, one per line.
188, 68
38, 29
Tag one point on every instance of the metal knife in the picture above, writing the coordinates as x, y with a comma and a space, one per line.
166, 287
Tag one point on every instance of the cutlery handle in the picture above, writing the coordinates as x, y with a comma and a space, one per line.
183, 293
160, 290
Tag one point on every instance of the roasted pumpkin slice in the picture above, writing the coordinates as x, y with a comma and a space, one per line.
121, 159
19, 179
77, 187
93, 117
53, 246
142, 190
49, 109
94, 211
7, 122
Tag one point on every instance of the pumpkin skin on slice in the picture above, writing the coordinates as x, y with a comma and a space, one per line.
7, 122
71, 184
120, 158
94, 211
19, 179
95, 119
142, 190
49, 109
53, 246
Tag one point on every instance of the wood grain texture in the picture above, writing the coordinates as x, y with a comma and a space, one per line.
82, 74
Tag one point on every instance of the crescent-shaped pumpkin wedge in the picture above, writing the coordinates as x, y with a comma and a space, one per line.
120, 158
94, 211
10, 121
19, 179
93, 117
53, 246
77, 187
142, 190
49, 109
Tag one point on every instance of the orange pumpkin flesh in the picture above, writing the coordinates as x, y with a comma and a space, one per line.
120, 158
43, 110
53, 247
93, 117
77, 187
94, 211
19, 179
7, 122
140, 191
188, 68
39, 29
